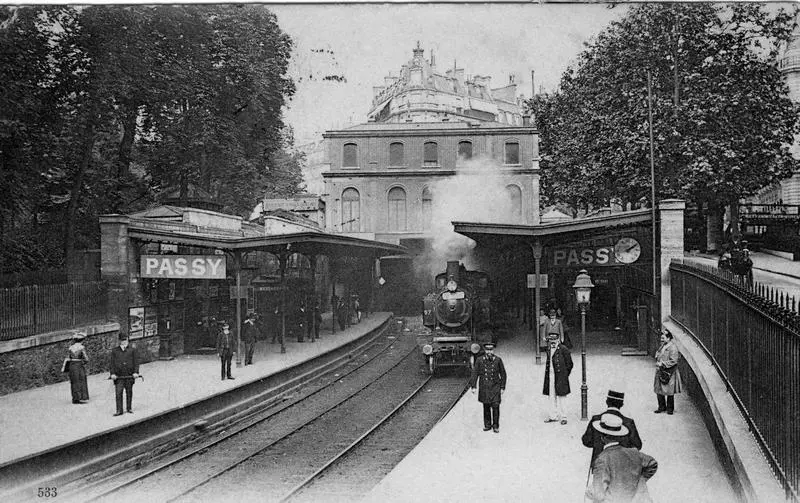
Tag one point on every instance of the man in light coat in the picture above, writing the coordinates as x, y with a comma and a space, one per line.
491, 373
619, 474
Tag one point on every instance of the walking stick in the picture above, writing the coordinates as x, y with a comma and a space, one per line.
588, 475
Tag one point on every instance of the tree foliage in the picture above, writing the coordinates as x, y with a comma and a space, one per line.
722, 119
106, 106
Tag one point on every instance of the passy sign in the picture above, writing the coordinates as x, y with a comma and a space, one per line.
183, 266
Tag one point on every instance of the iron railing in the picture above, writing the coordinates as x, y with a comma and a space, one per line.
30, 310
752, 334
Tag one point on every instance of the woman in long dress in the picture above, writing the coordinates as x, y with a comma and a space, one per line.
77, 359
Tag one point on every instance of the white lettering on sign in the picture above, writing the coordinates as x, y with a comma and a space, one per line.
183, 266
603, 255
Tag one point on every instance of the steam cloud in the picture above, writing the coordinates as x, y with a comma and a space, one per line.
477, 193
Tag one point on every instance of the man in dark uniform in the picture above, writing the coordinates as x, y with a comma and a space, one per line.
124, 370
226, 348
591, 437
491, 373
556, 377
249, 337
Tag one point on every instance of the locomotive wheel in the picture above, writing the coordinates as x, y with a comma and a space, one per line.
432, 364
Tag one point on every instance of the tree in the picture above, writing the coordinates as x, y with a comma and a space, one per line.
722, 123
109, 105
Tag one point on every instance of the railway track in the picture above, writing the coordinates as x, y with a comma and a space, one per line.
284, 446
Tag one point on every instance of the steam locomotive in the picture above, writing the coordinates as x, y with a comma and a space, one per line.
458, 311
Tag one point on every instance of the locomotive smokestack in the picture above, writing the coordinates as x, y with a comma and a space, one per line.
452, 270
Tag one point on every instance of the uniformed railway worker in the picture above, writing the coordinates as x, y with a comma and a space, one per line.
491, 373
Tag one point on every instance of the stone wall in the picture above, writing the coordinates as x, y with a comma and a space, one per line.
36, 361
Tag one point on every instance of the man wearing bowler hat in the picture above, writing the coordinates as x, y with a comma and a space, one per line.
491, 373
124, 371
619, 474
591, 438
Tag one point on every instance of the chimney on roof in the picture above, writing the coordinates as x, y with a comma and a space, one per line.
418, 51
533, 84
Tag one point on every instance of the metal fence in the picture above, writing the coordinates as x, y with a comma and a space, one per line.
30, 310
752, 334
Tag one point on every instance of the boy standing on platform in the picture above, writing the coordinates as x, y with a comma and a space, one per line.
124, 371
491, 373
226, 348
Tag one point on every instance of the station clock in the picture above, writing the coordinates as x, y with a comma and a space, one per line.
627, 250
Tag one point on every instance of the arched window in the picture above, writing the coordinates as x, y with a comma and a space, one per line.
396, 154
515, 197
512, 152
397, 209
351, 210
350, 155
431, 154
427, 209
465, 150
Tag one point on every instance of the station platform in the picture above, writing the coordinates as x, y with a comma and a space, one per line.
530, 460
42, 419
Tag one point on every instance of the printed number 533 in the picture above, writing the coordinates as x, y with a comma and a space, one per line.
48, 492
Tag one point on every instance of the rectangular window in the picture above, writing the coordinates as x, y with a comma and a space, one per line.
431, 154
396, 154
350, 155
512, 153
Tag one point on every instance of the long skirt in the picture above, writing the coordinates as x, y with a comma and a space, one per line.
77, 381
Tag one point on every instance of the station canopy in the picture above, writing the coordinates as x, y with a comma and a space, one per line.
499, 236
208, 229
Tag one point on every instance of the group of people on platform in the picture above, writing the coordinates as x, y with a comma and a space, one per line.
123, 368
618, 470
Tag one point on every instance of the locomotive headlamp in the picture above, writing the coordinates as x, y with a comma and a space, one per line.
427, 349
475, 348
451, 286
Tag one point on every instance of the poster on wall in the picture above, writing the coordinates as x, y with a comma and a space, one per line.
136, 322
151, 322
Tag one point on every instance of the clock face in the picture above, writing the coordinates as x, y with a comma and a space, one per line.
627, 250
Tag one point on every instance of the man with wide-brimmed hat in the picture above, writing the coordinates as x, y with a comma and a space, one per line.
619, 474
556, 377
491, 373
591, 438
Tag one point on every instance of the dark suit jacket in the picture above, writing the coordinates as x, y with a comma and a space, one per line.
124, 363
226, 342
492, 377
591, 438
562, 366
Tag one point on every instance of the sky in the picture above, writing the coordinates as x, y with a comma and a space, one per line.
365, 42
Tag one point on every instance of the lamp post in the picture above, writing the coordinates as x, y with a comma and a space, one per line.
583, 292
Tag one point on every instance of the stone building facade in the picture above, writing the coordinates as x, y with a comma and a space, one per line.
433, 141
787, 191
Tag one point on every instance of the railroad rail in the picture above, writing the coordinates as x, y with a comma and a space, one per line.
105, 485
291, 445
